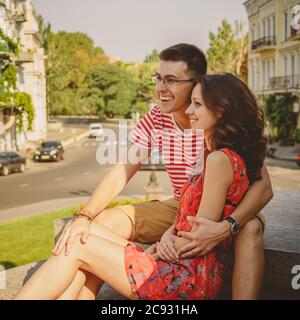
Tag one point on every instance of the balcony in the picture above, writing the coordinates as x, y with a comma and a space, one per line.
24, 57
265, 43
295, 34
285, 83
19, 15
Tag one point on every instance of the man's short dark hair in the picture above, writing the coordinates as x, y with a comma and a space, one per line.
188, 53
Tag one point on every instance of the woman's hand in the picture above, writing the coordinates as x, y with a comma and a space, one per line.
152, 250
165, 248
79, 226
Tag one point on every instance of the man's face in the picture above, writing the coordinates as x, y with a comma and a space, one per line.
173, 96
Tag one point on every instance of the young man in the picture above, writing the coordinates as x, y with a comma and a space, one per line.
149, 222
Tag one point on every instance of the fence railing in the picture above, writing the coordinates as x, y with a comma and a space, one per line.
263, 42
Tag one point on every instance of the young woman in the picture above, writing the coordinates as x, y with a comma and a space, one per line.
233, 127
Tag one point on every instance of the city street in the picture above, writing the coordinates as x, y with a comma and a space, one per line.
76, 176
79, 173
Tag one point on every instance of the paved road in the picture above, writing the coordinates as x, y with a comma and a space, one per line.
76, 176
282, 163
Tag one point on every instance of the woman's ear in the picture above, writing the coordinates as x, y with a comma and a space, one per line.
219, 115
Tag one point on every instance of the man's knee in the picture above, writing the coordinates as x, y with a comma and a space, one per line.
252, 231
116, 220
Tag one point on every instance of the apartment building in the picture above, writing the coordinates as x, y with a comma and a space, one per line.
274, 47
18, 21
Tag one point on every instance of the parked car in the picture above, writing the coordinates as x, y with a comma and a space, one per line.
154, 162
296, 151
49, 150
95, 130
11, 161
291, 154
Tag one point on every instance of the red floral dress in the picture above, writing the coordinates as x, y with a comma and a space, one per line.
198, 278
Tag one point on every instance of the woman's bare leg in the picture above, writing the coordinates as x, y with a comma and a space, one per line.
85, 285
107, 264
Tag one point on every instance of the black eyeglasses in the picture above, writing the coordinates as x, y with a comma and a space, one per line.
169, 82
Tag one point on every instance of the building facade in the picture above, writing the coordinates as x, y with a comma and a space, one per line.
18, 21
274, 48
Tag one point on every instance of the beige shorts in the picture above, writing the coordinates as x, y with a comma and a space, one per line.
151, 219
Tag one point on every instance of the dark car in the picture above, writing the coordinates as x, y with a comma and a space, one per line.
11, 161
155, 162
49, 150
292, 154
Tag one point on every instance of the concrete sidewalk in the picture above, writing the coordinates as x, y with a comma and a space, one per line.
282, 253
40, 208
53, 205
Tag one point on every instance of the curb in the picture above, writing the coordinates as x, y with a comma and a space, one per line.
51, 205
74, 139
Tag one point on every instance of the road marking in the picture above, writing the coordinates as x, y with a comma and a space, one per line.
24, 185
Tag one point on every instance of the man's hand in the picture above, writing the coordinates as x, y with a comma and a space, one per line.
165, 248
205, 235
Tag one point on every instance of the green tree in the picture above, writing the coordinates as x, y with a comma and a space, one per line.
110, 90
70, 56
152, 57
145, 86
228, 50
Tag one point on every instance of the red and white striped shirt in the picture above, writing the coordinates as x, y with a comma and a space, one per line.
180, 149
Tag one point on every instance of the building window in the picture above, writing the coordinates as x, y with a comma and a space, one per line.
274, 26
263, 74
2, 19
253, 75
285, 66
273, 67
269, 27
285, 26
292, 65
269, 71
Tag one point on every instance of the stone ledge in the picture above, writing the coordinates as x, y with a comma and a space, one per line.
282, 252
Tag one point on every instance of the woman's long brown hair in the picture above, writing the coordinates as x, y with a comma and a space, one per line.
241, 126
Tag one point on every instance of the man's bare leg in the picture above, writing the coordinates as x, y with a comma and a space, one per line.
249, 262
117, 224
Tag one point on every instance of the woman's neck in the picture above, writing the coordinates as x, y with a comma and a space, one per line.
207, 141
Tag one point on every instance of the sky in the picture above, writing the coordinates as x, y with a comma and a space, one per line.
131, 29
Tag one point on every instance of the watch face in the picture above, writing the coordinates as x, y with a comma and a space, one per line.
235, 228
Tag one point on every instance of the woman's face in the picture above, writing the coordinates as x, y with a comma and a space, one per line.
200, 116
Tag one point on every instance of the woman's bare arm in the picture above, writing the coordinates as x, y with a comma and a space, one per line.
218, 178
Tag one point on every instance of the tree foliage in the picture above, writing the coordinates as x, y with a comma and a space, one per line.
152, 57
228, 50
279, 111
81, 81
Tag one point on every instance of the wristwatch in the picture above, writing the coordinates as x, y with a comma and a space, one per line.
235, 226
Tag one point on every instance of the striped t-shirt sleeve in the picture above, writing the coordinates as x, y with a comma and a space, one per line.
142, 135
